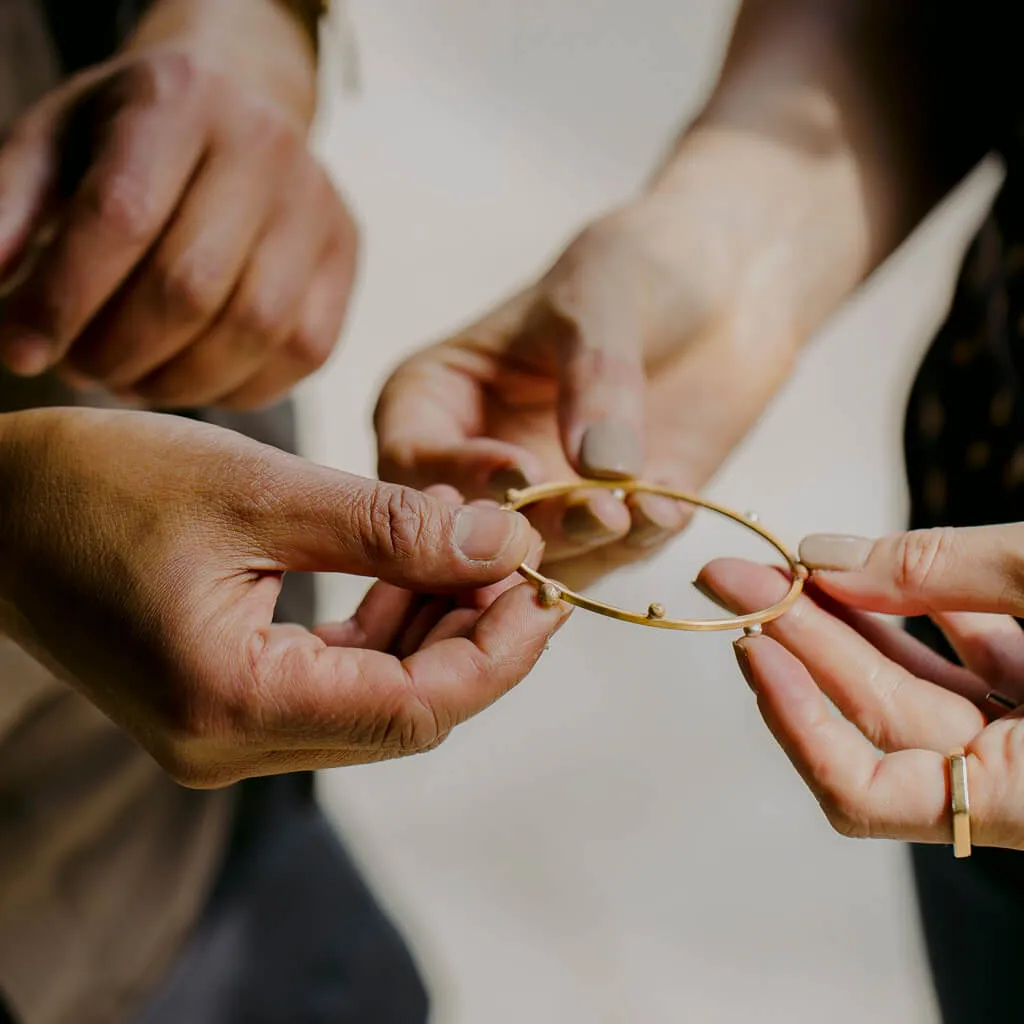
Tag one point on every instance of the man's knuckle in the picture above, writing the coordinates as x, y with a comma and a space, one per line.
415, 726
309, 349
167, 76
398, 519
121, 201
258, 319
188, 291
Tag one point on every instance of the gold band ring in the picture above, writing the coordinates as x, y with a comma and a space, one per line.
960, 801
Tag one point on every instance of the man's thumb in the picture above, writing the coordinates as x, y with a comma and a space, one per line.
345, 523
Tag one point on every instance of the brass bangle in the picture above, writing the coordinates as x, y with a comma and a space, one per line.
549, 591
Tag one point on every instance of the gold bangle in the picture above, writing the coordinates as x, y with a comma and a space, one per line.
550, 591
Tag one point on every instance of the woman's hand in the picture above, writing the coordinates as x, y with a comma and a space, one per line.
894, 694
141, 557
635, 355
659, 335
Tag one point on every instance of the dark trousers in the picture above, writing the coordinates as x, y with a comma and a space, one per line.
291, 934
972, 912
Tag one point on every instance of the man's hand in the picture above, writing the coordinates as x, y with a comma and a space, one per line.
141, 557
170, 235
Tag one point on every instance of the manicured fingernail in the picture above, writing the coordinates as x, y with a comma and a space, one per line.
508, 478
582, 524
25, 354
611, 449
484, 534
702, 588
835, 552
743, 660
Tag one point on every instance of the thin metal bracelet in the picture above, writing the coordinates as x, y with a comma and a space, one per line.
550, 591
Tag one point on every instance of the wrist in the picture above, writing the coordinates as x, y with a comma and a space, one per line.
263, 46
779, 226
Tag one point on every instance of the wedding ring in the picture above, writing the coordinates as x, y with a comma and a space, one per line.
961, 804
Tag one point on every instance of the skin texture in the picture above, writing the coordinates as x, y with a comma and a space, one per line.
165, 232
654, 342
137, 256
143, 556
656, 339
896, 696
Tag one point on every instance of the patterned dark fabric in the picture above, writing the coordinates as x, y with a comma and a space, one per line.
964, 445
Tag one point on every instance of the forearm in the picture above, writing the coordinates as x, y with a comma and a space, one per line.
817, 152
266, 45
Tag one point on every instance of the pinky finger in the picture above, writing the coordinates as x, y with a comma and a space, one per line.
992, 647
313, 339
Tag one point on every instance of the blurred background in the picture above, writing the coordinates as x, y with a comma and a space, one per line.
618, 840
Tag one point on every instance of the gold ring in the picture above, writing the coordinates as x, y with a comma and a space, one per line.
550, 591
961, 803
1001, 701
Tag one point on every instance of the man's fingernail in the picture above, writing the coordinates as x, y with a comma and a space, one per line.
565, 613
484, 534
536, 555
611, 449
834, 551
743, 660
583, 525
25, 354
508, 478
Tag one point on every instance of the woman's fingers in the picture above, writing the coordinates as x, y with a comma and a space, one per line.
977, 569
897, 796
892, 707
992, 647
898, 645
902, 795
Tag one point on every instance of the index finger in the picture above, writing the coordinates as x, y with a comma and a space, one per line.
978, 569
